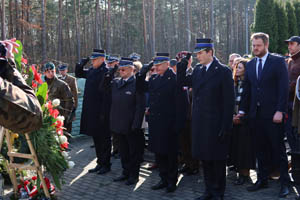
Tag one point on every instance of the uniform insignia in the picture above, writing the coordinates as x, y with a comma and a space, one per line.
216, 67
128, 92
169, 78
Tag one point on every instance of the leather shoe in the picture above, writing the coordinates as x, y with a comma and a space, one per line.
241, 180
258, 185
121, 178
132, 181
297, 198
97, 168
183, 169
171, 188
160, 185
205, 196
104, 170
284, 191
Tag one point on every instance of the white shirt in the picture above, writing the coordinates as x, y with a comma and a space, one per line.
208, 65
263, 59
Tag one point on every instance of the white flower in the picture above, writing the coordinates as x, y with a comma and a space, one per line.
60, 118
56, 102
57, 138
65, 154
71, 164
63, 139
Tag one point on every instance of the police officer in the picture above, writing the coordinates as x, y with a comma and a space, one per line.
126, 117
212, 111
20, 109
71, 81
95, 109
58, 89
162, 118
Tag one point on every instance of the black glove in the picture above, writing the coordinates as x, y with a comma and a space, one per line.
146, 68
3, 68
84, 61
188, 55
113, 70
2, 50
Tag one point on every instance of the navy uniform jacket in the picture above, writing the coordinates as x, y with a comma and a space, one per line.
162, 117
94, 116
270, 92
127, 106
212, 110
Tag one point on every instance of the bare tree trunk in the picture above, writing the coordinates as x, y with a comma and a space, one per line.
97, 29
247, 26
3, 26
43, 17
59, 41
108, 32
22, 35
77, 12
212, 20
145, 32
153, 27
10, 22
17, 19
188, 23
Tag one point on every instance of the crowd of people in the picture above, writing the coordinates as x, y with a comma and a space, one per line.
212, 115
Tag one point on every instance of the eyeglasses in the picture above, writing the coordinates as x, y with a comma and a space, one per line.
122, 70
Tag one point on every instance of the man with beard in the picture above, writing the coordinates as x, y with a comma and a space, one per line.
264, 101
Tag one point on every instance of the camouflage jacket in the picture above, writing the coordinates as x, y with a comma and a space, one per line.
58, 89
71, 81
20, 110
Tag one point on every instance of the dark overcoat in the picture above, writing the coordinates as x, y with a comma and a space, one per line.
94, 116
212, 111
162, 117
127, 107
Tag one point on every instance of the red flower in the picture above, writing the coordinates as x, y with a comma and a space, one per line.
60, 131
34, 178
34, 85
37, 76
64, 145
54, 113
24, 60
59, 124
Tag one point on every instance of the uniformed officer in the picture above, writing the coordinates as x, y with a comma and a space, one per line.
71, 81
212, 113
95, 109
162, 118
126, 117
58, 89
20, 109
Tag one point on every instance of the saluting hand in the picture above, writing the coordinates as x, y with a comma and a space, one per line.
278, 117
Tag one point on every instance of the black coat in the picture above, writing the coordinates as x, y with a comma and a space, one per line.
127, 107
162, 117
212, 111
95, 108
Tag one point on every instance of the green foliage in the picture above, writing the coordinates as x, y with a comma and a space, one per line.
265, 21
30, 76
42, 93
292, 21
18, 56
282, 22
297, 13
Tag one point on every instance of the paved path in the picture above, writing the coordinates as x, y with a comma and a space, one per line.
81, 185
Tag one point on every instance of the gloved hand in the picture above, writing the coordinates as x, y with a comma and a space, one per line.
115, 69
2, 50
146, 68
3, 68
84, 61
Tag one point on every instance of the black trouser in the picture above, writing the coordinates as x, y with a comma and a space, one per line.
130, 154
115, 142
168, 167
214, 172
103, 148
270, 148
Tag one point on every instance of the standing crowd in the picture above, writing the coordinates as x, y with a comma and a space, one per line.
209, 115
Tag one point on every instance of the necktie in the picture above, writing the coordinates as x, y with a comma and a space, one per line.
203, 71
259, 70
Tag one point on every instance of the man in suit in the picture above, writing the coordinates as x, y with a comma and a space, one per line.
264, 101
95, 109
71, 81
212, 111
163, 140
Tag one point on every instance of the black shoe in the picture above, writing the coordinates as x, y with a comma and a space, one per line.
132, 181
92, 146
190, 172
183, 169
121, 178
171, 188
205, 196
97, 168
160, 185
241, 180
104, 170
258, 185
297, 198
284, 191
